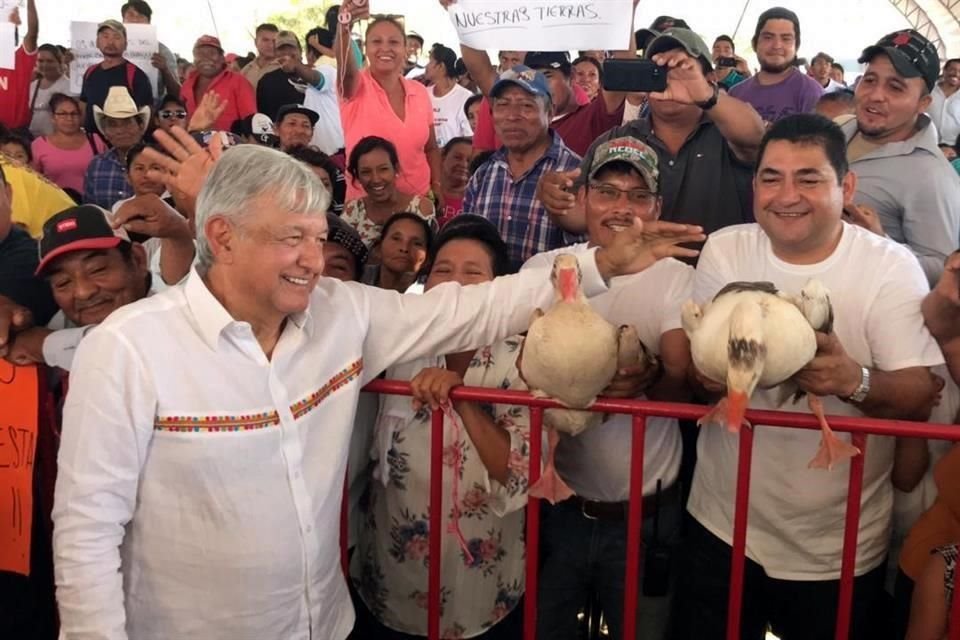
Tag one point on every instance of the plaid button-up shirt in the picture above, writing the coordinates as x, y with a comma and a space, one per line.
512, 205
106, 180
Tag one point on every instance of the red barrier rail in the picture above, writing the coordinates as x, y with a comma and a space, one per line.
858, 427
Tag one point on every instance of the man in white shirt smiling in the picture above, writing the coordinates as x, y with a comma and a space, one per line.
207, 428
875, 362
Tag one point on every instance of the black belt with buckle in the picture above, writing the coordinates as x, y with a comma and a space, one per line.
617, 511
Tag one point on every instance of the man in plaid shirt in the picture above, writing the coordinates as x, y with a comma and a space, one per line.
123, 124
504, 189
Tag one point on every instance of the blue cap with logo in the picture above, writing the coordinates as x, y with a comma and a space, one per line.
533, 82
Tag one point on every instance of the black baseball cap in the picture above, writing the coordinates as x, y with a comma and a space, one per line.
912, 55
660, 24
339, 232
83, 228
556, 60
287, 109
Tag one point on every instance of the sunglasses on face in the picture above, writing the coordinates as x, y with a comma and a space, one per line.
167, 114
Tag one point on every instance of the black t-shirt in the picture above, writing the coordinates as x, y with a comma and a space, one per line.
278, 88
97, 83
18, 260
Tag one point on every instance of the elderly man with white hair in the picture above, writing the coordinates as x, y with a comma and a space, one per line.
206, 432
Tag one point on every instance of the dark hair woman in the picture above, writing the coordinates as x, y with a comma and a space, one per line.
379, 101
374, 164
403, 249
63, 155
484, 492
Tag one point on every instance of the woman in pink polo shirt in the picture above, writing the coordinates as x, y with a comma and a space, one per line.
379, 101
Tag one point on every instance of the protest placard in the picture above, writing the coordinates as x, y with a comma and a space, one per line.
18, 444
141, 45
8, 45
543, 25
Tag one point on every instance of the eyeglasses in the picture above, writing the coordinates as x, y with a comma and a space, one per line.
67, 114
608, 194
167, 114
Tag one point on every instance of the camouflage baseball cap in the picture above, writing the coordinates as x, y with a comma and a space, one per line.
632, 151
679, 38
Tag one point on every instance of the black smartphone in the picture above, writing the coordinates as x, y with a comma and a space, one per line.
727, 62
634, 75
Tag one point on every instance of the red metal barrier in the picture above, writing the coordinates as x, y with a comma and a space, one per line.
436, 526
858, 427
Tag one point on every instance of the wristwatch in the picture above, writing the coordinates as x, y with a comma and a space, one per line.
710, 102
860, 393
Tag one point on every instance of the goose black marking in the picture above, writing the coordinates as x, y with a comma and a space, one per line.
736, 287
744, 352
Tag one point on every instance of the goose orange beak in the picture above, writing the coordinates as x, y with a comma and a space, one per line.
567, 284
736, 410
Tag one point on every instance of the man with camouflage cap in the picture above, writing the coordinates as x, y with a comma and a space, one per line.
584, 537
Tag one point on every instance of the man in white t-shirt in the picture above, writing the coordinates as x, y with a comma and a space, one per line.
944, 109
448, 97
821, 67
875, 363
584, 537
322, 98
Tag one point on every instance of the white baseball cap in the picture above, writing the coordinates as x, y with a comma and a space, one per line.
260, 124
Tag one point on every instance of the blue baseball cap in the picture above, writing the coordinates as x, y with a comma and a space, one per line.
533, 82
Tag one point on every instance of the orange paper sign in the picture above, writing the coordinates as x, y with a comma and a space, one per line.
18, 443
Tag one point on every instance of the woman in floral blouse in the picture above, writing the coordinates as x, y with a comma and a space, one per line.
373, 165
485, 479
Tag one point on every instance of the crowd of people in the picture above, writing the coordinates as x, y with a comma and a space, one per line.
208, 269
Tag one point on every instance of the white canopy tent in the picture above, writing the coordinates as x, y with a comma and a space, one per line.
938, 20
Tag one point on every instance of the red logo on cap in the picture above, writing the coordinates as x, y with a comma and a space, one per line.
902, 39
67, 225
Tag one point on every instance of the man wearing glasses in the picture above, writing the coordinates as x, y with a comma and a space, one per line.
583, 537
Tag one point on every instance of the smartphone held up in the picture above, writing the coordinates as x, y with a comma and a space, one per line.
634, 75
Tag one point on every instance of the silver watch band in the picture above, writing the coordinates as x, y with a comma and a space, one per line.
860, 394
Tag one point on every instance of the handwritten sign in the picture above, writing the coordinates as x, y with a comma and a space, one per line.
8, 45
18, 443
141, 45
543, 25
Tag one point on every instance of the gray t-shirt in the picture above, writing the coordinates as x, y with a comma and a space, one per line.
798, 93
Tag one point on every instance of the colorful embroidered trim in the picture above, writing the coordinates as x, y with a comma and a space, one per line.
213, 424
216, 424
305, 406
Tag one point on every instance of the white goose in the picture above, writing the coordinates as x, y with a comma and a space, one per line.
571, 354
751, 335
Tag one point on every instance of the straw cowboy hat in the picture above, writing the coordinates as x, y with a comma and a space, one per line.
119, 104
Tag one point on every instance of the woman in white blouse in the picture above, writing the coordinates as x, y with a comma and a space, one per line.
485, 449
